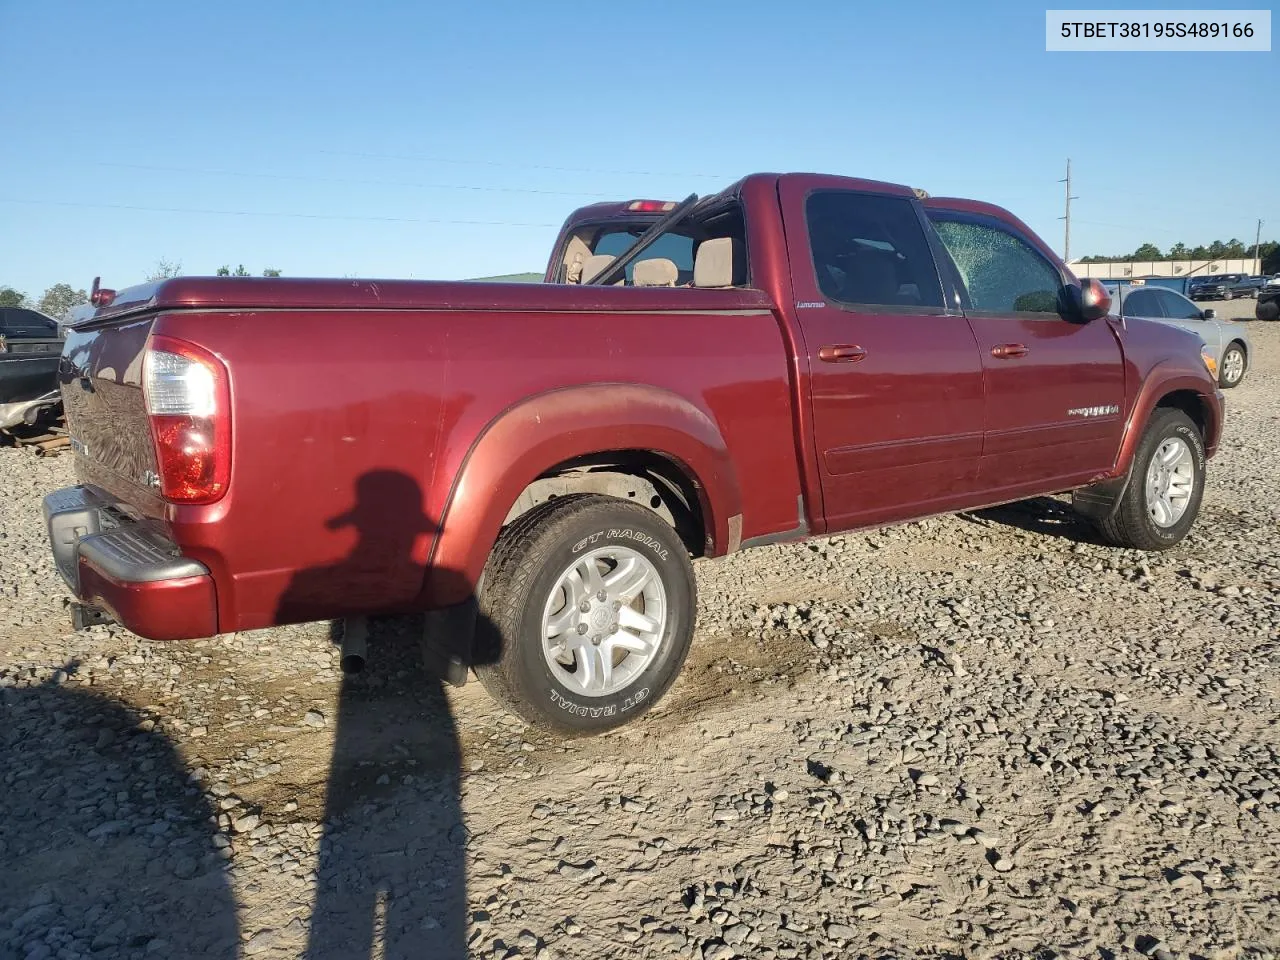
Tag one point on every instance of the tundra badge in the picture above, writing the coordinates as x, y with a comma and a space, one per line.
1106, 410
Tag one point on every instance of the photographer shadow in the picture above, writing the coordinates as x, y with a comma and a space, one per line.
392, 878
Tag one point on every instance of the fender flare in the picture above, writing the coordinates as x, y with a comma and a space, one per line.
1100, 499
536, 434
1165, 377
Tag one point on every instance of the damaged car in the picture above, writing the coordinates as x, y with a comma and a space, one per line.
30, 346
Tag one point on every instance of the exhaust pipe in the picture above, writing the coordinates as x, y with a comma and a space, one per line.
355, 644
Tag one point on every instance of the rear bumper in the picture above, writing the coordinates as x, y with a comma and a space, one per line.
128, 569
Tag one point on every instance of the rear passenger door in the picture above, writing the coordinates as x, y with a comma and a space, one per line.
895, 381
1055, 391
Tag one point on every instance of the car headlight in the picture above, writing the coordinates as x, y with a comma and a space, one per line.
1210, 363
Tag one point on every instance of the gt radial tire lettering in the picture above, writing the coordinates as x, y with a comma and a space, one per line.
640, 537
578, 710
587, 541
635, 699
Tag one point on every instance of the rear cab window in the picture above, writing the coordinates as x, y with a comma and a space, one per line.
1001, 272
716, 218
676, 247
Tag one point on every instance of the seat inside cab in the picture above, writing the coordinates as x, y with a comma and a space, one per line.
703, 251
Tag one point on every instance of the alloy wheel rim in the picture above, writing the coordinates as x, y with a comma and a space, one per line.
604, 621
1233, 366
1170, 482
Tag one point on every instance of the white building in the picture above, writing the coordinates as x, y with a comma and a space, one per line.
1164, 268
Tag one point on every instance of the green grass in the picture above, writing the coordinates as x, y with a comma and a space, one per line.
512, 278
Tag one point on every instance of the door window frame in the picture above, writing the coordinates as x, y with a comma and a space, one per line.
1183, 304
876, 308
1143, 291
994, 223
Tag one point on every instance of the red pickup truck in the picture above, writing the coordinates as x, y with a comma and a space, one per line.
537, 463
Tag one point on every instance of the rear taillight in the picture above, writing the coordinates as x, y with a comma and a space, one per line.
189, 404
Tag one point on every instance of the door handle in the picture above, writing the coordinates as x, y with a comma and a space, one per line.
1009, 351
841, 353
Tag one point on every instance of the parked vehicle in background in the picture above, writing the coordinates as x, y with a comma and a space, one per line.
1227, 344
30, 345
1268, 307
794, 356
1217, 287
1247, 286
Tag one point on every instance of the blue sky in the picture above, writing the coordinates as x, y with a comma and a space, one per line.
340, 138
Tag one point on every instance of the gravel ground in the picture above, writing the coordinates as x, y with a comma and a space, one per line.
985, 735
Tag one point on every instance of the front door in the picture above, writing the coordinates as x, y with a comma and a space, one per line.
895, 377
1055, 387
1178, 309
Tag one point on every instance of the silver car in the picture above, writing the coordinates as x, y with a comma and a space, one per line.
1228, 345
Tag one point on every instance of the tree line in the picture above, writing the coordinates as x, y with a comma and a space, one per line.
1233, 249
61, 298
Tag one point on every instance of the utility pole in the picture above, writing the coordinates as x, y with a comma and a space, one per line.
1066, 240
1257, 238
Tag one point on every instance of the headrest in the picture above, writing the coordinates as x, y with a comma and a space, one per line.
658, 272
720, 263
594, 265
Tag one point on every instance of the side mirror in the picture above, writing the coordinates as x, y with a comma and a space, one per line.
1088, 301
1209, 314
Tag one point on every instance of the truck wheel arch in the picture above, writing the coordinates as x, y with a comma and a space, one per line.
1168, 388
1175, 389
578, 429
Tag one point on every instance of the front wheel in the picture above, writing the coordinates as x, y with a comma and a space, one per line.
1166, 483
1227, 295
1232, 367
588, 608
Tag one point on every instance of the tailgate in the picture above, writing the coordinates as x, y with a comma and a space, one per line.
100, 377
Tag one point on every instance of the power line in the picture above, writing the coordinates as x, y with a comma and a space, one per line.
380, 183
524, 166
253, 213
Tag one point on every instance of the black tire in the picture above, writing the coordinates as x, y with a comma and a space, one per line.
1232, 348
521, 574
1270, 310
1227, 294
1131, 524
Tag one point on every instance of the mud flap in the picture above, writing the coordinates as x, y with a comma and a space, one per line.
448, 641
1099, 501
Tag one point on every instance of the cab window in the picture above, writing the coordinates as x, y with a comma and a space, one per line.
1001, 272
871, 250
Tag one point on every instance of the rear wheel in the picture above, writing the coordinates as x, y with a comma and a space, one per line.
1166, 483
588, 607
1270, 310
1232, 368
